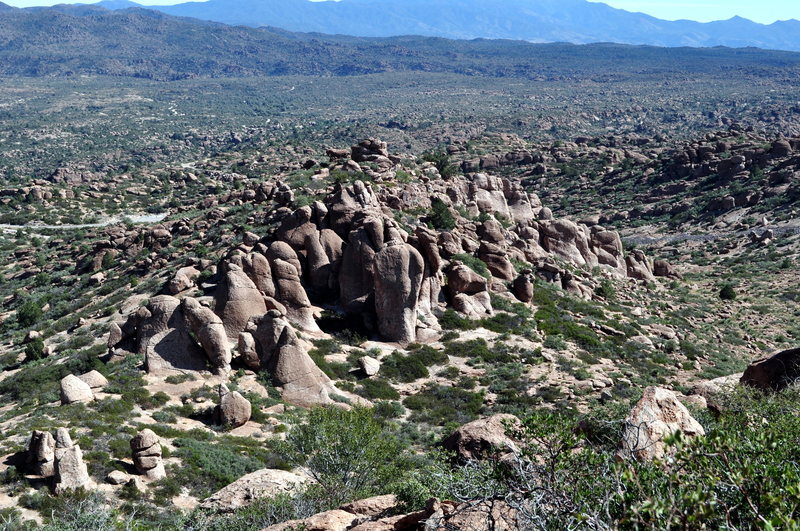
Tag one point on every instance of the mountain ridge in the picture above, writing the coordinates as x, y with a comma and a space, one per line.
69, 40
575, 21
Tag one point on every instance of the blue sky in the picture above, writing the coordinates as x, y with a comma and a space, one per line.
764, 11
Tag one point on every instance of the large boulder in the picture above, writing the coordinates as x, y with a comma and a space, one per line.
483, 438
73, 389
237, 300
271, 344
638, 266
94, 380
398, 271
209, 330
775, 372
164, 338
234, 410
462, 279
290, 292
71, 471
265, 483
657, 415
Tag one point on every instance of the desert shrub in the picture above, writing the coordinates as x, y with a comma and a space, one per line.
451, 320
377, 389
441, 160
34, 350
348, 453
207, 467
29, 313
439, 405
440, 217
402, 368
727, 292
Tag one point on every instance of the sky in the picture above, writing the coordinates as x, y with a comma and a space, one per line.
764, 11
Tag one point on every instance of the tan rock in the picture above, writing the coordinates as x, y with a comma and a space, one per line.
73, 389
657, 415
264, 483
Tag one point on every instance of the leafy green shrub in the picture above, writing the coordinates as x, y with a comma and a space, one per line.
439, 405
29, 313
441, 160
374, 389
348, 453
34, 350
441, 218
207, 467
727, 292
403, 368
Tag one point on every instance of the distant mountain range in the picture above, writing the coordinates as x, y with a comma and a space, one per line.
575, 21
70, 40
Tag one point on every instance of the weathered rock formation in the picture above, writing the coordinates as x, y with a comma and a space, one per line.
70, 470
657, 415
270, 343
146, 449
41, 454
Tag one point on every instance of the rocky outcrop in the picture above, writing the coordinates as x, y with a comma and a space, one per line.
210, 331
638, 266
483, 438
775, 372
41, 454
265, 483
657, 415
164, 338
70, 470
146, 450
183, 279
398, 271
237, 300
270, 343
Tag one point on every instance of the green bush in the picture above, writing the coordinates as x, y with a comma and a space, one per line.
403, 368
29, 313
440, 217
348, 453
374, 389
727, 292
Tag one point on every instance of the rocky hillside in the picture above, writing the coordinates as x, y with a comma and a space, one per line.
164, 372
